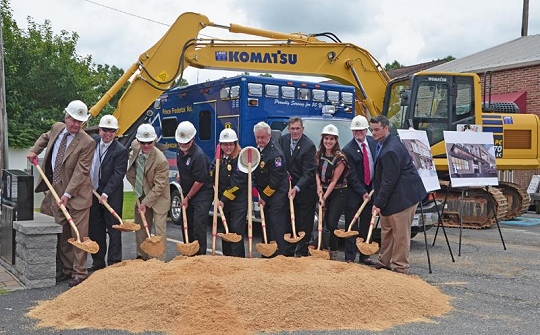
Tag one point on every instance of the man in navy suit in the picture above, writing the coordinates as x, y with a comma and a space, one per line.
360, 152
299, 153
107, 173
398, 190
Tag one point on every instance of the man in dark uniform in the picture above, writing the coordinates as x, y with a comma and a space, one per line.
360, 152
299, 153
271, 180
194, 177
107, 173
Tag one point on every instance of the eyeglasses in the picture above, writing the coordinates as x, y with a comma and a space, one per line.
108, 130
146, 143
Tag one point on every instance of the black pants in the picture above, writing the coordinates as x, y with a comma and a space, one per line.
278, 222
236, 221
334, 207
305, 217
101, 222
197, 218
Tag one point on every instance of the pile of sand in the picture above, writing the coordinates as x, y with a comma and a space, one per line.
226, 295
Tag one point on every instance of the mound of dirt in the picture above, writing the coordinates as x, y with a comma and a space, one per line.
227, 295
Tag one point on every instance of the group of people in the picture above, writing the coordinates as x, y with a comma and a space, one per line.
290, 170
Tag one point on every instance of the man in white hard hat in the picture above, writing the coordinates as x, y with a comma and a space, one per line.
194, 177
67, 163
148, 173
107, 173
360, 152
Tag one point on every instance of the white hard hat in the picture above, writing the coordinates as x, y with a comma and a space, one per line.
359, 122
185, 132
77, 110
108, 121
330, 130
227, 135
146, 133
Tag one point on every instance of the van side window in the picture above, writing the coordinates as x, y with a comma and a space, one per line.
255, 89
271, 91
205, 125
303, 94
333, 96
318, 95
287, 92
168, 126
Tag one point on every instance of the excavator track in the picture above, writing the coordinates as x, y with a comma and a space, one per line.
517, 197
478, 209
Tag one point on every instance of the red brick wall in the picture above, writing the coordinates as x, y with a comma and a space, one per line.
519, 79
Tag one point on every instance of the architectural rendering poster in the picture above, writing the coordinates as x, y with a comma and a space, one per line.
418, 147
471, 158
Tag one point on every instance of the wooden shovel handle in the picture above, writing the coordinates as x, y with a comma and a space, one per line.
57, 198
223, 219
371, 225
263, 224
216, 199
250, 206
143, 218
291, 208
359, 211
319, 227
184, 217
109, 208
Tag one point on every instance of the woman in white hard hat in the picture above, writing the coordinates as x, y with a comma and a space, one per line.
232, 191
331, 176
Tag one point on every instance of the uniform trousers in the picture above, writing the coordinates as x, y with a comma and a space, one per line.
278, 222
236, 222
197, 218
396, 239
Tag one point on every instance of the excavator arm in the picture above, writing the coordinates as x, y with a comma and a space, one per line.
161, 66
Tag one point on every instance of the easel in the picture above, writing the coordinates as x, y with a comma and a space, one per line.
491, 206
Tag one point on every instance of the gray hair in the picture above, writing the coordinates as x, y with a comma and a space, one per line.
262, 126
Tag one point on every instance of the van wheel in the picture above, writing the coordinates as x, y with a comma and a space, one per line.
176, 208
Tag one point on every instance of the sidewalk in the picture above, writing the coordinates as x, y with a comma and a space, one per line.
8, 281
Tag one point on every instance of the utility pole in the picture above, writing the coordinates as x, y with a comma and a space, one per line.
3, 115
525, 19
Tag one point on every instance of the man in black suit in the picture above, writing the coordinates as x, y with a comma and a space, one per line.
398, 190
299, 153
360, 152
107, 173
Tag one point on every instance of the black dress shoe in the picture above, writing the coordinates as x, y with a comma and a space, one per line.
367, 261
95, 268
63, 277
75, 281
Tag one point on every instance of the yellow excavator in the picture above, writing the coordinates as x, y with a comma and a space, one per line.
433, 102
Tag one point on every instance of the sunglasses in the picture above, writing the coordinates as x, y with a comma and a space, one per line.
146, 143
108, 130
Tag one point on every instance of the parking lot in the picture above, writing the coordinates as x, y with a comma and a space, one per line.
494, 290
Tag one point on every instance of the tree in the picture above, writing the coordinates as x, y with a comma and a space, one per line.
393, 66
43, 73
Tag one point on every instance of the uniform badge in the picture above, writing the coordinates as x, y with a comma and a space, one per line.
261, 164
229, 167
188, 161
277, 162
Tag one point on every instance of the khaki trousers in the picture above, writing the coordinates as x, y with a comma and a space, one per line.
156, 220
396, 239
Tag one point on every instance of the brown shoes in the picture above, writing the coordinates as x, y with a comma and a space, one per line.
75, 281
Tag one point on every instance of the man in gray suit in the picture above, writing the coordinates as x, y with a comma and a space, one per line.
108, 171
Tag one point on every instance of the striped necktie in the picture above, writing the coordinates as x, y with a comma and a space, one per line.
60, 158
141, 162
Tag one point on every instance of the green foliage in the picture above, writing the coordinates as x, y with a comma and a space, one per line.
43, 73
129, 204
393, 66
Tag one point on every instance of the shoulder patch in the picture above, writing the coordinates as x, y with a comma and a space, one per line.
277, 162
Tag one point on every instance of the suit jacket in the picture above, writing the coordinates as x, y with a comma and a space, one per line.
301, 166
357, 187
75, 168
397, 183
156, 178
112, 171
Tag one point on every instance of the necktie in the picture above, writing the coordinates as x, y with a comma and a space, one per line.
96, 165
293, 145
141, 162
365, 160
377, 150
59, 158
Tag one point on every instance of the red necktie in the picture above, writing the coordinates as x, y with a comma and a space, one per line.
365, 159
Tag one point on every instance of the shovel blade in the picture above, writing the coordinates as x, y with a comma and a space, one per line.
367, 248
345, 234
266, 249
127, 226
316, 253
230, 237
86, 245
153, 246
289, 238
188, 249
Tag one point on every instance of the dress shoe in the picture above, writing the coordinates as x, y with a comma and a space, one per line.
380, 266
95, 268
75, 281
400, 271
63, 277
367, 261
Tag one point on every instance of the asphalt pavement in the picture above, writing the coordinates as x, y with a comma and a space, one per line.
494, 291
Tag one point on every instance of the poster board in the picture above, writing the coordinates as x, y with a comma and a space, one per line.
417, 145
471, 158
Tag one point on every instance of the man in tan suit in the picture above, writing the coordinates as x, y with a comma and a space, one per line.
152, 189
70, 177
